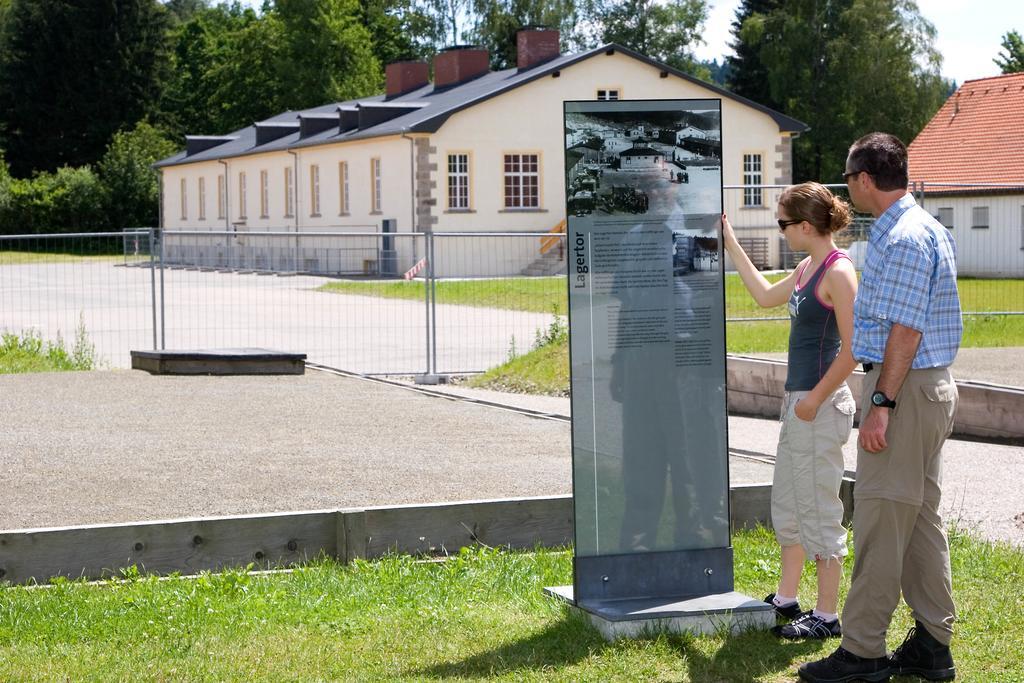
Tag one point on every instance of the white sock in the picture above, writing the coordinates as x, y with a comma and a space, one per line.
825, 616
782, 601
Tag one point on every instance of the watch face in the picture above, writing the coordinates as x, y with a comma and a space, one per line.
880, 399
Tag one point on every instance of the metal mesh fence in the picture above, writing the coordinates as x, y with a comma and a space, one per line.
94, 293
401, 303
332, 296
495, 295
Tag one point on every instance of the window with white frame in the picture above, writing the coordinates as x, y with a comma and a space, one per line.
184, 200
458, 181
752, 180
241, 196
1022, 227
343, 188
222, 190
314, 190
202, 198
979, 217
522, 181
375, 187
264, 196
289, 192
945, 216
606, 94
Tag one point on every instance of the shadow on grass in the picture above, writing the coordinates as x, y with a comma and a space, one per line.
742, 658
745, 657
563, 643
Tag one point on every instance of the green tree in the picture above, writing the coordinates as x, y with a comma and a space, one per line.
748, 75
1011, 59
666, 32
201, 96
399, 30
130, 183
325, 52
446, 21
847, 67
498, 21
183, 10
74, 71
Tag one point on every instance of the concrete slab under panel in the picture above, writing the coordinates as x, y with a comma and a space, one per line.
243, 361
708, 614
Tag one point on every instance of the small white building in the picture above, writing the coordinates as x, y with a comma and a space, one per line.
967, 166
641, 159
474, 150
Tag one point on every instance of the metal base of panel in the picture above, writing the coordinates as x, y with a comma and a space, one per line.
729, 612
693, 572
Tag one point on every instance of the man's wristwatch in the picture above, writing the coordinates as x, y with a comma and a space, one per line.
881, 400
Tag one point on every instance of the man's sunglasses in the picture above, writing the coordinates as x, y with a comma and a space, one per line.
850, 174
783, 224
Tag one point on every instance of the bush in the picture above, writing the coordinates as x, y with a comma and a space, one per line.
129, 180
69, 200
29, 352
123, 192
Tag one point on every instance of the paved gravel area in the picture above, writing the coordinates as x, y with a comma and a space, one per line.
119, 446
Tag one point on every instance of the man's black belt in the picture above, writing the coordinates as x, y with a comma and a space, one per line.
868, 367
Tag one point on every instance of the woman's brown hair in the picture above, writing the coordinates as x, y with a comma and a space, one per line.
814, 203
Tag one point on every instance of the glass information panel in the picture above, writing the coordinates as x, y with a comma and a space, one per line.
647, 326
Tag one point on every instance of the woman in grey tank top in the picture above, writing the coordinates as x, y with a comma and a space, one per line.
818, 409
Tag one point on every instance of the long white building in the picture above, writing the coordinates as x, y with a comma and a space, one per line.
474, 150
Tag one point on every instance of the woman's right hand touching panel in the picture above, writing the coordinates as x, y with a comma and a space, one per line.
728, 235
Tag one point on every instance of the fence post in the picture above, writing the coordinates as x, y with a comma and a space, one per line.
163, 306
428, 276
433, 307
152, 285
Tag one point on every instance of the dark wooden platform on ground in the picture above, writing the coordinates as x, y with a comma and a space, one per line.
219, 362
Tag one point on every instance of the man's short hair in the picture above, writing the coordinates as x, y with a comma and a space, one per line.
884, 157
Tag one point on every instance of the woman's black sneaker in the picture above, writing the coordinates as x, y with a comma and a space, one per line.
789, 612
922, 655
807, 625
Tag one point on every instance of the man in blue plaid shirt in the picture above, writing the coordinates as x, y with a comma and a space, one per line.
907, 330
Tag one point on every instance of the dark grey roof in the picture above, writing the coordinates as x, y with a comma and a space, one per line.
429, 108
640, 152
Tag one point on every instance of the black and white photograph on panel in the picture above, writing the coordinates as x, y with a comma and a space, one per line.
640, 162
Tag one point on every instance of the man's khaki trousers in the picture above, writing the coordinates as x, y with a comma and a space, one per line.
899, 539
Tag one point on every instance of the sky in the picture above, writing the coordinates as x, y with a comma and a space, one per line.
968, 32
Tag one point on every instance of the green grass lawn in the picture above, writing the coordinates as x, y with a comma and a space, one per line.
538, 295
22, 257
543, 370
478, 615
547, 294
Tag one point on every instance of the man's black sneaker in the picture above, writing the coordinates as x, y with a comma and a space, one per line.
789, 612
922, 655
842, 666
807, 625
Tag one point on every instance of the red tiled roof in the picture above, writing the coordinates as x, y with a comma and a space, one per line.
976, 137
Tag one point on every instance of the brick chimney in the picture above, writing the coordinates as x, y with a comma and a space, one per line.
403, 77
536, 45
459, 64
